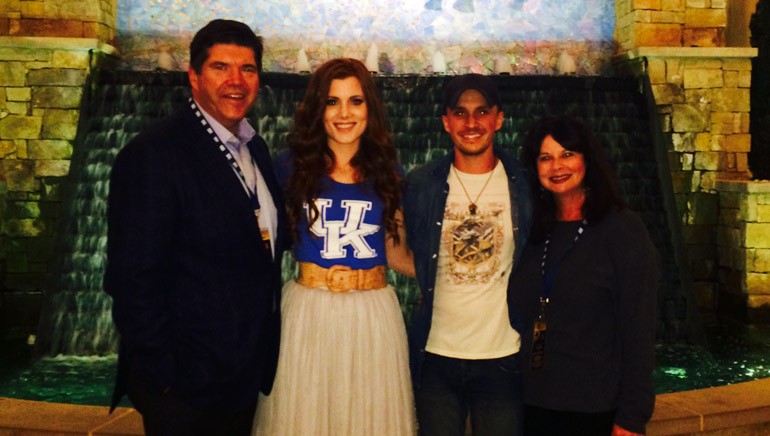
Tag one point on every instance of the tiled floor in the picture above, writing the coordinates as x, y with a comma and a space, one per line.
740, 409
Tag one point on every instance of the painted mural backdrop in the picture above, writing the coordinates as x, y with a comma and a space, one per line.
395, 36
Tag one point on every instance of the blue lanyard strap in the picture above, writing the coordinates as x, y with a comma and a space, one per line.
229, 156
550, 275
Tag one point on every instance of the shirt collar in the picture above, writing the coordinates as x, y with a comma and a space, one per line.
245, 131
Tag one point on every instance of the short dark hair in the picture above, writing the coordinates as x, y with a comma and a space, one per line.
221, 31
481, 83
600, 180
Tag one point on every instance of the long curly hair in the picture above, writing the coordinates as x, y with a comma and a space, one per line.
311, 158
600, 181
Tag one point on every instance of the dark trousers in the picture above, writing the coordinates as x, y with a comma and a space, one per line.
451, 389
546, 422
165, 414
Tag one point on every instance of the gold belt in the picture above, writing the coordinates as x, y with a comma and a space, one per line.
341, 278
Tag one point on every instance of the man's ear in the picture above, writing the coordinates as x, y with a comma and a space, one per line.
445, 121
192, 76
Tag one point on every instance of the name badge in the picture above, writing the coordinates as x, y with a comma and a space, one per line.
266, 240
538, 337
538, 344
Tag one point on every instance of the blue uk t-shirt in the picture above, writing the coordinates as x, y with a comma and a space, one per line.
348, 230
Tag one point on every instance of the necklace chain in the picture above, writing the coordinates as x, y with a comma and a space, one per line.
472, 207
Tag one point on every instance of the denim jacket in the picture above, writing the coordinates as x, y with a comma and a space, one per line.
424, 203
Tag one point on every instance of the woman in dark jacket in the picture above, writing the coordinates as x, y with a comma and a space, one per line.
587, 289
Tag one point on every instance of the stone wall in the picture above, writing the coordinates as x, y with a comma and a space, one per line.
94, 19
47, 48
41, 85
743, 240
670, 23
702, 97
702, 92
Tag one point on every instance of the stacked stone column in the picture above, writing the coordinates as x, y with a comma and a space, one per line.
744, 248
47, 48
702, 91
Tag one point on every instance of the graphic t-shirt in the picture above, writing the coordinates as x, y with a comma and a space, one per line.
470, 309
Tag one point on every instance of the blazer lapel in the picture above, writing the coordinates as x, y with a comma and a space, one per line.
216, 170
261, 155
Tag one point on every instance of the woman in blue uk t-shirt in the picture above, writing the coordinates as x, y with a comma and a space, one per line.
343, 367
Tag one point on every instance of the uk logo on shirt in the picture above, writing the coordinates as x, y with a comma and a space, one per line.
347, 232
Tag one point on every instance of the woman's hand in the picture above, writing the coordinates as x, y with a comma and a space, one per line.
620, 431
400, 257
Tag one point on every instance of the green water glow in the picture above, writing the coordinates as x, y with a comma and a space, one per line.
737, 355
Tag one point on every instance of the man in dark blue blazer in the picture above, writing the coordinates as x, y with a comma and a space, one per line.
194, 251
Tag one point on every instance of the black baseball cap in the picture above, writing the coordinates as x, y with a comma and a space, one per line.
481, 83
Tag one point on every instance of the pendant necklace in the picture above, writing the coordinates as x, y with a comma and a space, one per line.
472, 208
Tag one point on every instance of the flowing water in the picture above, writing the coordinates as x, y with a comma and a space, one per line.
117, 105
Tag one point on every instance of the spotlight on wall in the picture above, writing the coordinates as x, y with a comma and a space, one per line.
503, 65
166, 59
303, 65
566, 63
438, 62
372, 59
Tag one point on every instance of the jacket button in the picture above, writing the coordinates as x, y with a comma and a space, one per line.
435, 255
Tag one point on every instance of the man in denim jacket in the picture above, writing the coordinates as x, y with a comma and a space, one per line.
467, 216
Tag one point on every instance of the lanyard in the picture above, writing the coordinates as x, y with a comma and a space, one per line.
540, 327
550, 275
230, 159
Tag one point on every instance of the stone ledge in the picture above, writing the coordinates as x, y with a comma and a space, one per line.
690, 52
58, 43
39, 418
740, 406
743, 406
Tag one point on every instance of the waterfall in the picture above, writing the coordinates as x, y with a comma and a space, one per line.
117, 105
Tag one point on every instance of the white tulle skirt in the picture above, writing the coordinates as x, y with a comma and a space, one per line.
343, 367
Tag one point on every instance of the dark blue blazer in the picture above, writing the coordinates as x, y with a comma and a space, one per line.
196, 296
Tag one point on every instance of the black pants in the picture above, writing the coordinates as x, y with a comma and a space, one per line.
546, 422
165, 414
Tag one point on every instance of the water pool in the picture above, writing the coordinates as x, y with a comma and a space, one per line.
737, 354
734, 354
63, 379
